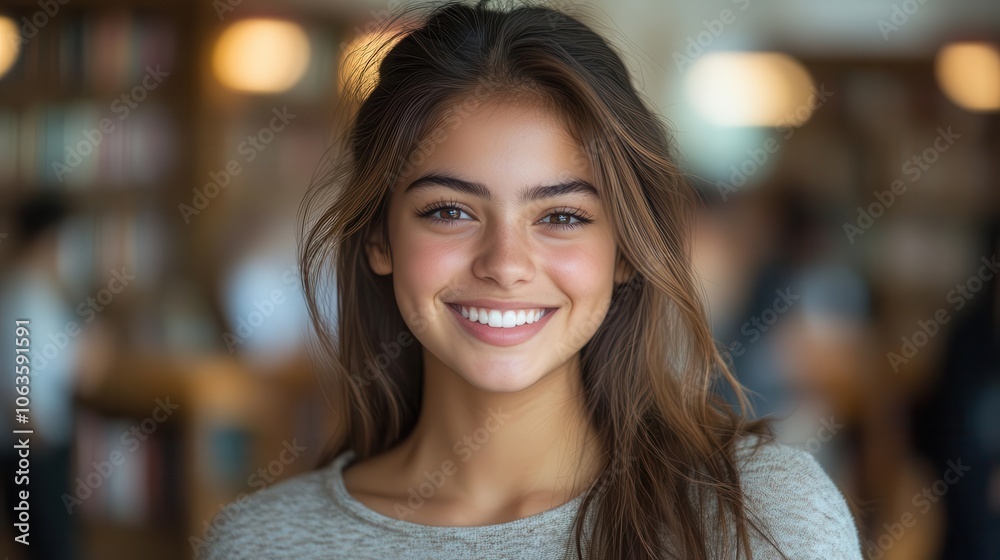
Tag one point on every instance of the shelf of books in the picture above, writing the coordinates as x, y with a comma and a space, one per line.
93, 113
166, 446
88, 105
111, 107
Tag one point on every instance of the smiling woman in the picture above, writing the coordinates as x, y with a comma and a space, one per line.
493, 216
560, 402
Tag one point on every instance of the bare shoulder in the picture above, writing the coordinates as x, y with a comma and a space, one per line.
796, 501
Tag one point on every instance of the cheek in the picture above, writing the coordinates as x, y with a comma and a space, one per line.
583, 271
424, 266
584, 274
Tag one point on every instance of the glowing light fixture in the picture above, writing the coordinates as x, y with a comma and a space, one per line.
969, 74
359, 61
261, 55
751, 89
9, 45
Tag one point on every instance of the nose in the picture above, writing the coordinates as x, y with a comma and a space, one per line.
504, 256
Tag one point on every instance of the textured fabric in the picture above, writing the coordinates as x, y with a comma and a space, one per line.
312, 516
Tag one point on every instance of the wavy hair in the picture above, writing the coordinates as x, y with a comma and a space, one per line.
669, 483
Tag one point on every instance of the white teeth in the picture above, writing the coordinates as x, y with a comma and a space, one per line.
501, 319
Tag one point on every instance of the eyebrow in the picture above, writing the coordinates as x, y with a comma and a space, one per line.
479, 190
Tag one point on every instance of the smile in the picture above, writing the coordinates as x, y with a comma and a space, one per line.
506, 319
501, 327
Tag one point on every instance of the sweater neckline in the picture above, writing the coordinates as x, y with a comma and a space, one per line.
565, 512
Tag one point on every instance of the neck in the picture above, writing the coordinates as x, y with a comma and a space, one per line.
536, 444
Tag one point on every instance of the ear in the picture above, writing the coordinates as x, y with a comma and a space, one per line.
378, 254
623, 270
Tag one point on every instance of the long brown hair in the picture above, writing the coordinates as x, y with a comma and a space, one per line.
669, 483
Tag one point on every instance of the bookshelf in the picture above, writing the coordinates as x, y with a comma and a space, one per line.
112, 107
191, 435
95, 110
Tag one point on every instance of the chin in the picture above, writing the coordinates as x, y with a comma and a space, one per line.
501, 379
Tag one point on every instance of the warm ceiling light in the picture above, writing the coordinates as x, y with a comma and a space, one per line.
359, 61
9, 44
751, 89
969, 74
261, 55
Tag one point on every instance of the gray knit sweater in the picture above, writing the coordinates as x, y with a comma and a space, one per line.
312, 516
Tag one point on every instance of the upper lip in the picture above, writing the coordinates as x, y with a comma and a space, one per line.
500, 304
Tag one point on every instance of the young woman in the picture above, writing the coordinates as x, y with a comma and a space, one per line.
520, 351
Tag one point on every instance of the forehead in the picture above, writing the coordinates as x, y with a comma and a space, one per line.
504, 144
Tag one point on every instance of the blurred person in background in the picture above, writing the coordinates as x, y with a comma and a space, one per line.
31, 289
958, 421
797, 337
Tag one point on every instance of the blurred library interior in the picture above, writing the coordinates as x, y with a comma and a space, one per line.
153, 155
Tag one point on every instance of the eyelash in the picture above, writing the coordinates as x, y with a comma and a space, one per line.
428, 211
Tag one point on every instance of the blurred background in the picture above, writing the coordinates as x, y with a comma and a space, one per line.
153, 154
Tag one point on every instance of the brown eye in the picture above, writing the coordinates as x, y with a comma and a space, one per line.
566, 218
444, 214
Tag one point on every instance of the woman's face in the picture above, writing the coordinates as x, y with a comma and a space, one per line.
500, 216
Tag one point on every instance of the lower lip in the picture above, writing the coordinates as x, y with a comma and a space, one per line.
498, 336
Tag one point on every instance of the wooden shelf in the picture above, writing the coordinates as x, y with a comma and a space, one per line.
116, 540
211, 393
80, 200
77, 6
218, 397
